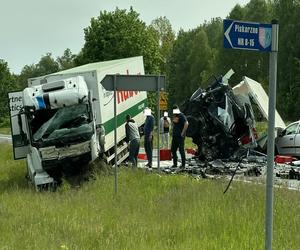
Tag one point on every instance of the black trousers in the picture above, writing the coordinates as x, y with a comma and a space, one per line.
148, 144
178, 142
134, 151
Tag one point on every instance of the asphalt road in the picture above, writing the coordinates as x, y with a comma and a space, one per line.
5, 139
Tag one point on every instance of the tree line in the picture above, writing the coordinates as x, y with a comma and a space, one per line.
188, 58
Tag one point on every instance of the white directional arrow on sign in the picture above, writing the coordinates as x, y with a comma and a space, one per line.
227, 34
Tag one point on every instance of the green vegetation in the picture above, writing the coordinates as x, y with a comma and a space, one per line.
151, 211
188, 143
262, 127
188, 58
110, 36
5, 130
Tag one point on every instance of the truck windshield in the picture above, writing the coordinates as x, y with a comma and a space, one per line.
66, 125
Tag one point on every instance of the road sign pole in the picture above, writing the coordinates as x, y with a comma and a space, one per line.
271, 129
116, 124
260, 37
158, 123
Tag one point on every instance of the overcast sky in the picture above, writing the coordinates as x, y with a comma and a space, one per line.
31, 28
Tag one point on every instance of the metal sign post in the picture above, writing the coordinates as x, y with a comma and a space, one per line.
115, 133
158, 125
134, 83
260, 37
271, 129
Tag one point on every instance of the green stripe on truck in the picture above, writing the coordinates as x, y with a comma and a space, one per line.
133, 111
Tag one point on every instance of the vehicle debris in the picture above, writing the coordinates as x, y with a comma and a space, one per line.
249, 169
220, 122
211, 169
222, 125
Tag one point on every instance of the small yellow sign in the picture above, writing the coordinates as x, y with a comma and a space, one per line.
163, 101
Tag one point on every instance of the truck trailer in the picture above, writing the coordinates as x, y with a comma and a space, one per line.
63, 121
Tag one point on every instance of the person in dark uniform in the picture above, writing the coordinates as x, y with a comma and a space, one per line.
133, 139
148, 133
180, 125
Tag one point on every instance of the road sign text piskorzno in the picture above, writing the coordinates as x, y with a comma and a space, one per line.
247, 35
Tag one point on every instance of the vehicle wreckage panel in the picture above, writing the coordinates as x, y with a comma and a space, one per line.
254, 89
51, 153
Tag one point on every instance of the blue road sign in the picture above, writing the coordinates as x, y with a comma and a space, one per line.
247, 35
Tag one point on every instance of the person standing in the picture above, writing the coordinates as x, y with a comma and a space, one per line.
133, 139
180, 125
165, 125
148, 133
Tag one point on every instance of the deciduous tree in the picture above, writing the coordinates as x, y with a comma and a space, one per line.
6, 85
120, 34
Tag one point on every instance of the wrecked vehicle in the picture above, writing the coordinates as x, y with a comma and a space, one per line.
221, 118
288, 140
222, 125
219, 121
64, 120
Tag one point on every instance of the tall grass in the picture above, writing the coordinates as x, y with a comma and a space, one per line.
5, 130
151, 211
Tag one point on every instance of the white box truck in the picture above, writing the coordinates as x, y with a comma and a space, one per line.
64, 120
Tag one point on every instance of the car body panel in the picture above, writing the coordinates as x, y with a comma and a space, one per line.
297, 142
288, 143
259, 96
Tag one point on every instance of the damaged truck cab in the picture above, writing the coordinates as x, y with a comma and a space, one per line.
61, 128
64, 120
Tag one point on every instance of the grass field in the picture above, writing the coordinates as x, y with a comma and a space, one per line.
5, 130
151, 211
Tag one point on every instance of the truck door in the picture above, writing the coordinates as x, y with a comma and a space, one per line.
18, 125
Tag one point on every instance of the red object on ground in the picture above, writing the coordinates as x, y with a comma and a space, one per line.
284, 159
191, 151
142, 156
165, 155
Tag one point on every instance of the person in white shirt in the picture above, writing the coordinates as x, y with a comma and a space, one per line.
165, 126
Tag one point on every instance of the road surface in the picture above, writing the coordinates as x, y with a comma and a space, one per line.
5, 139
